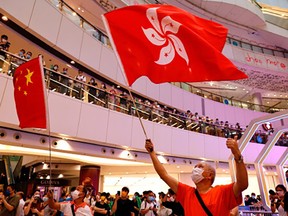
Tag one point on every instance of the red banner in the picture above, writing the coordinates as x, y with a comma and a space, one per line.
168, 44
29, 94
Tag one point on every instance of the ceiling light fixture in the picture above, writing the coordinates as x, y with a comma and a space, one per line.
4, 18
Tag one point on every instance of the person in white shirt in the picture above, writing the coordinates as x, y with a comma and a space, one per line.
148, 206
20, 209
76, 207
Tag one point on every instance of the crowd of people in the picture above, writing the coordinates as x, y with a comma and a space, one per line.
115, 98
82, 200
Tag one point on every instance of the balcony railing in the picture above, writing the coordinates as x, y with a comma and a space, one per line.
64, 84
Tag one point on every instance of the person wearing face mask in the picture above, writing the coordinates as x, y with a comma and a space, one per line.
47, 210
218, 200
252, 200
101, 208
29, 55
148, 206
34, 207
173, 203
122, 205
10, 202
4, 46
76, 207
163, 211
282, 203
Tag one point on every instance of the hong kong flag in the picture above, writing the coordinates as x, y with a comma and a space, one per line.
30, 95
168, 44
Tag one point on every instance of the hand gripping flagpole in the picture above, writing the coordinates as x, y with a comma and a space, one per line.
123, 74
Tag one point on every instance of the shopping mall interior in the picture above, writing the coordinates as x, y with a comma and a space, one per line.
98, 128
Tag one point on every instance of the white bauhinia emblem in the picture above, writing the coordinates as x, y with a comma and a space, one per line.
159, 35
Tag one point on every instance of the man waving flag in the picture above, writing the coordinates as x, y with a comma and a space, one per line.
30, 94
168, 44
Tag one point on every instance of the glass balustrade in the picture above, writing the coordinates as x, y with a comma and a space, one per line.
62, 83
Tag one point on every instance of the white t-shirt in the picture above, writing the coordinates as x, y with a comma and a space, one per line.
281, 211
20, 208
82, 210
146, 205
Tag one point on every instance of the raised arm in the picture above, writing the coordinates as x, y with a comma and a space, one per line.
169, 180
52, 204
241, 172
114, 207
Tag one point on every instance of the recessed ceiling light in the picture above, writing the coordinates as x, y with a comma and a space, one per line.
247, 91
79, 8
74, 13
244, 89
72, 62
267, 102
4, 18
274, 95
82, 11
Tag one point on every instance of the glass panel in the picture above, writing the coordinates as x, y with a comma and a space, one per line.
278, 53
186, 86
267, 51
72, 15
246, 46
257, 48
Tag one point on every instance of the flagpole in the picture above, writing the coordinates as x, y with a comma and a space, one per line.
123, 74
47, 120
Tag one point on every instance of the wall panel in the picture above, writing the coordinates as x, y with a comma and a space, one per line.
70, 43
21, 10
64, 113
108, 63
119, 129
45, 21
90, 51
93, 122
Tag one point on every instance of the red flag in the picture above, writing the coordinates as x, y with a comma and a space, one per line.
168, 44
29, 94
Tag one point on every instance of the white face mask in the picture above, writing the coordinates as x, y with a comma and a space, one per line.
197, 175
75, 194
172, 199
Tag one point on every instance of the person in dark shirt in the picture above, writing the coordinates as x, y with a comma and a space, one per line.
10, 202
101, 208
173, 203
122, 205
252, 200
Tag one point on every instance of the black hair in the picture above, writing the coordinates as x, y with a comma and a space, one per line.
12, 186
282, 187
171, 192
272, 192
125, 189
4, 37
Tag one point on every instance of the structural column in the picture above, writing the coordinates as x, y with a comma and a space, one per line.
257, 99
90, 176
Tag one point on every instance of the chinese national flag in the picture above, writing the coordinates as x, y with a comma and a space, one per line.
30, 95
168, 44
